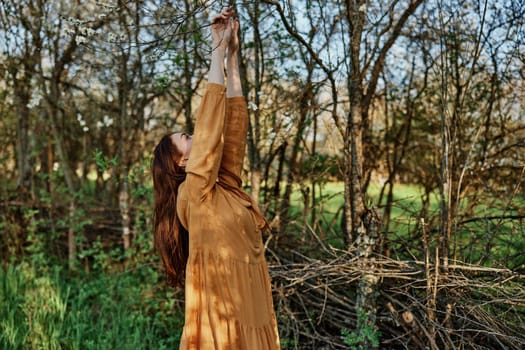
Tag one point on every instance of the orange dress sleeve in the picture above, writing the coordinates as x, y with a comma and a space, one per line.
202, 169
234, 149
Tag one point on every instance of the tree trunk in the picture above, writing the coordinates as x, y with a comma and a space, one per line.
254, 134
62, 55
353, 157
124, 140
313, 217
123, 200
444, 167
278, 178
365, 233
71, 235
304, 103
52, 111
188, 72
23, 153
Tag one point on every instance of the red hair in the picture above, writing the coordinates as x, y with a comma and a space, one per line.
170, 237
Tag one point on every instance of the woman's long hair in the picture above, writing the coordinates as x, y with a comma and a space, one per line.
170, 237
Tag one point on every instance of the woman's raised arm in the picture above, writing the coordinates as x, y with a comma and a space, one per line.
233, 80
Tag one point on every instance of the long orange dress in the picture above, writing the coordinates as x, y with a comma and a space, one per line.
228, 301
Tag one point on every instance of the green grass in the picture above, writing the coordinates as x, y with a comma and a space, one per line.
491, 242
407, 201
407, 198
50, 310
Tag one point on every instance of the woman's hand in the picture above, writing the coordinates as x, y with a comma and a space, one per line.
234, 40
221, 29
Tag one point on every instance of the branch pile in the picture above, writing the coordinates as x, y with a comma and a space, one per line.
420, 305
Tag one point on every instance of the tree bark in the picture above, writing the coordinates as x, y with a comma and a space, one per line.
353, 152
188, 73
304, 103
254, 133
23, 153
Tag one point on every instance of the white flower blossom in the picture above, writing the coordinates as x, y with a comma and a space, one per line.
81, 121
108, 8
80, 39
74, 21
36, 97
252, 106
107, 120
70, 31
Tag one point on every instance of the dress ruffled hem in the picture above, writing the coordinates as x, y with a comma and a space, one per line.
228, 304
238, 337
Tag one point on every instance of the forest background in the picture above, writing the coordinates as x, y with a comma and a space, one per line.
386, 148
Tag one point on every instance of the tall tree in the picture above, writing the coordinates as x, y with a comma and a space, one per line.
362, 77
22, 45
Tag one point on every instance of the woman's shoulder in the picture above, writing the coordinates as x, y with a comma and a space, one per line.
194, 190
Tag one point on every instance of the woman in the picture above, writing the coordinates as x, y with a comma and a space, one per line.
206, 226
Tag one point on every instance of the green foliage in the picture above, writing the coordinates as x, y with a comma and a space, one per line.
365, 337
140, 188
104, 163
32, 308
37, 241
13, 328
322, 167
288, 343
162, 83
54, 310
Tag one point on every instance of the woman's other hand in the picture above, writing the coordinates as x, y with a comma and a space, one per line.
221, 29
234, 40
